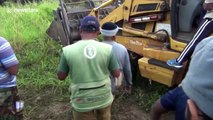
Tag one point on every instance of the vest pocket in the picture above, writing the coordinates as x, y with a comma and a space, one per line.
92, 87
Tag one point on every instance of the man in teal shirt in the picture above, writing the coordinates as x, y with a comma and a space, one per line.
89, 64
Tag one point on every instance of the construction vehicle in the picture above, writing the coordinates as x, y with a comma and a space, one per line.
153, 31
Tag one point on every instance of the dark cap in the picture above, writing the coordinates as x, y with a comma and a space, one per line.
90, 24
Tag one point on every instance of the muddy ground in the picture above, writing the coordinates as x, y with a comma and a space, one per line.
49, 104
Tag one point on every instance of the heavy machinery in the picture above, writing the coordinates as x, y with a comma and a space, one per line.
153, 31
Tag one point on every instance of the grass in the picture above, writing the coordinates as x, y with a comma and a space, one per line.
26, 22
25, 27
146, 92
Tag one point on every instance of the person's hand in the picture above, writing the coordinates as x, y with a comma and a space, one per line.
194, 112
95, 9
208, 6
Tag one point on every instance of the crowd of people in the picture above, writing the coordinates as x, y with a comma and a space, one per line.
105, 67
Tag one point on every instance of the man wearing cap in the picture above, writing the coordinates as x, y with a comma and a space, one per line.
89, 64
205, 29
109, 30
197, 85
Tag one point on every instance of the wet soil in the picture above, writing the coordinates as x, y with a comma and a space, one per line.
48, 104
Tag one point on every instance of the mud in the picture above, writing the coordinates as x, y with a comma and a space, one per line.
49, 104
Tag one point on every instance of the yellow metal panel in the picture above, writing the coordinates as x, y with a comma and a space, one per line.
161, 54
177, 45
155, 73
149, 26
160, 74
114, 16
136, 44
127, 8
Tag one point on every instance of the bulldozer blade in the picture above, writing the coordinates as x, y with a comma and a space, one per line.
57, 31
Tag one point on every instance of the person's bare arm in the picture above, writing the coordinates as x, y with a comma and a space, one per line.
208, 6
63, 68
13, 70
116, 73
157, 110
114, 66
62, 75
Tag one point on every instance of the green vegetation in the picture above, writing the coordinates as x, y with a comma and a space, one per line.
147, 92
26, 23
25, 27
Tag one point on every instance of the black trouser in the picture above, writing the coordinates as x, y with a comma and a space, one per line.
205, 29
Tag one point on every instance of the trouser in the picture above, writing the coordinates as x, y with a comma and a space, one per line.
100, 114
8, 100
204, 31
175, 100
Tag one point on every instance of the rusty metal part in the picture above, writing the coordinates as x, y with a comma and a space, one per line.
161, 36
65, 27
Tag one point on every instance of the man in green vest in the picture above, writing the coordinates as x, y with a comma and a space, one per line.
89, 64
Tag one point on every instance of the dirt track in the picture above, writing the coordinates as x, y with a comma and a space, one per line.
49, 105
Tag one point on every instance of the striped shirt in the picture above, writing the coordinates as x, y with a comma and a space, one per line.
7, 59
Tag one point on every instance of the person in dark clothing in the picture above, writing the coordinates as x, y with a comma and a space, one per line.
205, 29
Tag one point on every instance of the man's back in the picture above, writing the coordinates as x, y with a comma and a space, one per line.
89, 64
120, 52
123, 59
88, 60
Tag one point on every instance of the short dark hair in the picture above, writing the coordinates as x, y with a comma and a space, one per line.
109, 26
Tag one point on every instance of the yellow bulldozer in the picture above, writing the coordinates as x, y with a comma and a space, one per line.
153, 31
